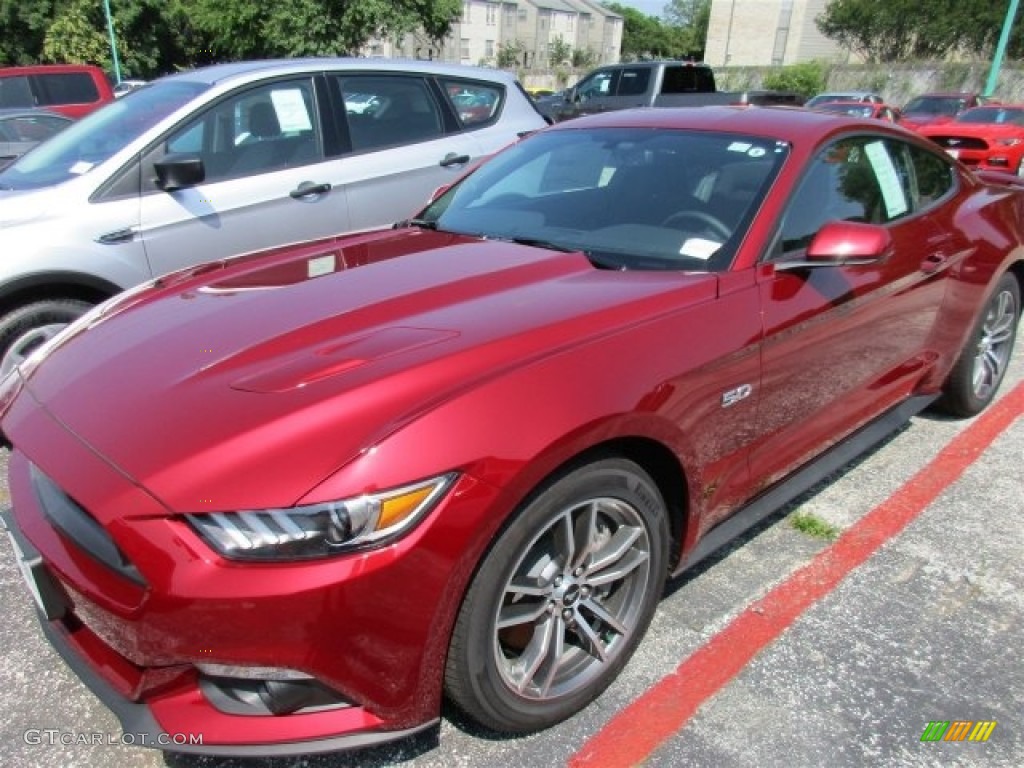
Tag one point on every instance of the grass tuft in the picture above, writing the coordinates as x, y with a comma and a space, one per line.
814, 526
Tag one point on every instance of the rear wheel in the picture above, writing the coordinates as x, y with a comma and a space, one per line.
562, 599
982, 364
26, 328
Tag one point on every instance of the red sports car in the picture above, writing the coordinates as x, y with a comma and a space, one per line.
286, 502
986, 138
936, 108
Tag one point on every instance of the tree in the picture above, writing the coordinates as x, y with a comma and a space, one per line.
691, 18
559, 51
899, 30
74, 37
23, 28
510, 54
583, 58
241, 29
645, 37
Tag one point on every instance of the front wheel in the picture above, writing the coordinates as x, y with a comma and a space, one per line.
26, 328
562, 599
982, 364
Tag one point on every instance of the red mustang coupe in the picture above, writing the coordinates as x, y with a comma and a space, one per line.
986, 138
286, 502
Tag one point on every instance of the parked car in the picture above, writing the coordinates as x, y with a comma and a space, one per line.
22, 129
73, 90
284, 500
936, 108
654, 84
985, 138
863, 97
127, 86
236, 157
876, 111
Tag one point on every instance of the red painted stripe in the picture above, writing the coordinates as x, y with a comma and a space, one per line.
639, 729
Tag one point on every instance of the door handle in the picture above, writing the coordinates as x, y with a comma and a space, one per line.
934, 261
309, 189
452, 159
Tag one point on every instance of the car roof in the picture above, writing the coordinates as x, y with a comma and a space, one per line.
787, 123
241, 71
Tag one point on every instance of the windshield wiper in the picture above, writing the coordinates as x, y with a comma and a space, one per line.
537, 242
420, 223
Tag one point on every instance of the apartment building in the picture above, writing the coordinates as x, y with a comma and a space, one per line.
527, 26
767, 32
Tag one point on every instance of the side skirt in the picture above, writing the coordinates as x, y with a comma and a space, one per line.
804, 479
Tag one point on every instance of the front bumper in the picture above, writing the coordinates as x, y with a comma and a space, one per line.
372, 628
136, 718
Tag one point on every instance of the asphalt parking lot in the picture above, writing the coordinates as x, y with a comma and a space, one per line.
787, 649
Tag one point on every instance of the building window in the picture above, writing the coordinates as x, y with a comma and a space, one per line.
467, 13
492, 14
489, 48
522, 14
464, 49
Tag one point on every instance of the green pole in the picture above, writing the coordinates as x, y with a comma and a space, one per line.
113, 40
1004, 38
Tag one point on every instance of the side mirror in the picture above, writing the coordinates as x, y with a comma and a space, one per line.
847, 243
179, 172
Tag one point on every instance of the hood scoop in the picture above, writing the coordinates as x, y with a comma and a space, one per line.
312, 365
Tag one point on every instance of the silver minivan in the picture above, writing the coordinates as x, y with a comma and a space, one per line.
230, 159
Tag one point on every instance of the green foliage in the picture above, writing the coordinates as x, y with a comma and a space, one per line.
23, 28
690, 18
75, 37
806, 78
240, 29
901, 30
510, 54
559, 51
645, 37
812, 525
583, 58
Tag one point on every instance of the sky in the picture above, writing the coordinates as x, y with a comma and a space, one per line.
647, 7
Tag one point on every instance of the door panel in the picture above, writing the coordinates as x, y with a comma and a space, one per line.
258, 146
844, 343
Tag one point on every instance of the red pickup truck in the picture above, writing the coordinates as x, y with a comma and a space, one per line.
70, 89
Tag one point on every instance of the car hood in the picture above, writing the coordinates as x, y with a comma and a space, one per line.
974, 130
248, 382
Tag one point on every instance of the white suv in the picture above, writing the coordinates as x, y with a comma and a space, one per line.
233, 158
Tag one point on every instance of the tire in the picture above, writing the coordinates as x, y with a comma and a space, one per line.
979, 370
561, 600
26, 328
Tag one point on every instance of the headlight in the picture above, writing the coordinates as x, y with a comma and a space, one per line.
319, 530
1008, 142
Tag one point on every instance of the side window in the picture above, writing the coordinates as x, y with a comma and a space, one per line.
475, 103
16, 92
69, 88
598, 85
933, 177
634, 82
257, 131
857, 179
388, 110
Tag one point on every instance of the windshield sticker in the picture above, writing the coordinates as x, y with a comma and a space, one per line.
892, 190
738, 146
699, 248
80, 167
291, 110
756, 152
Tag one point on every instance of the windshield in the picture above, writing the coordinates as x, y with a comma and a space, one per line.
998, 115
84, 145
630, 198
934, 105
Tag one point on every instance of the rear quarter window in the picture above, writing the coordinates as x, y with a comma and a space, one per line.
16, 92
